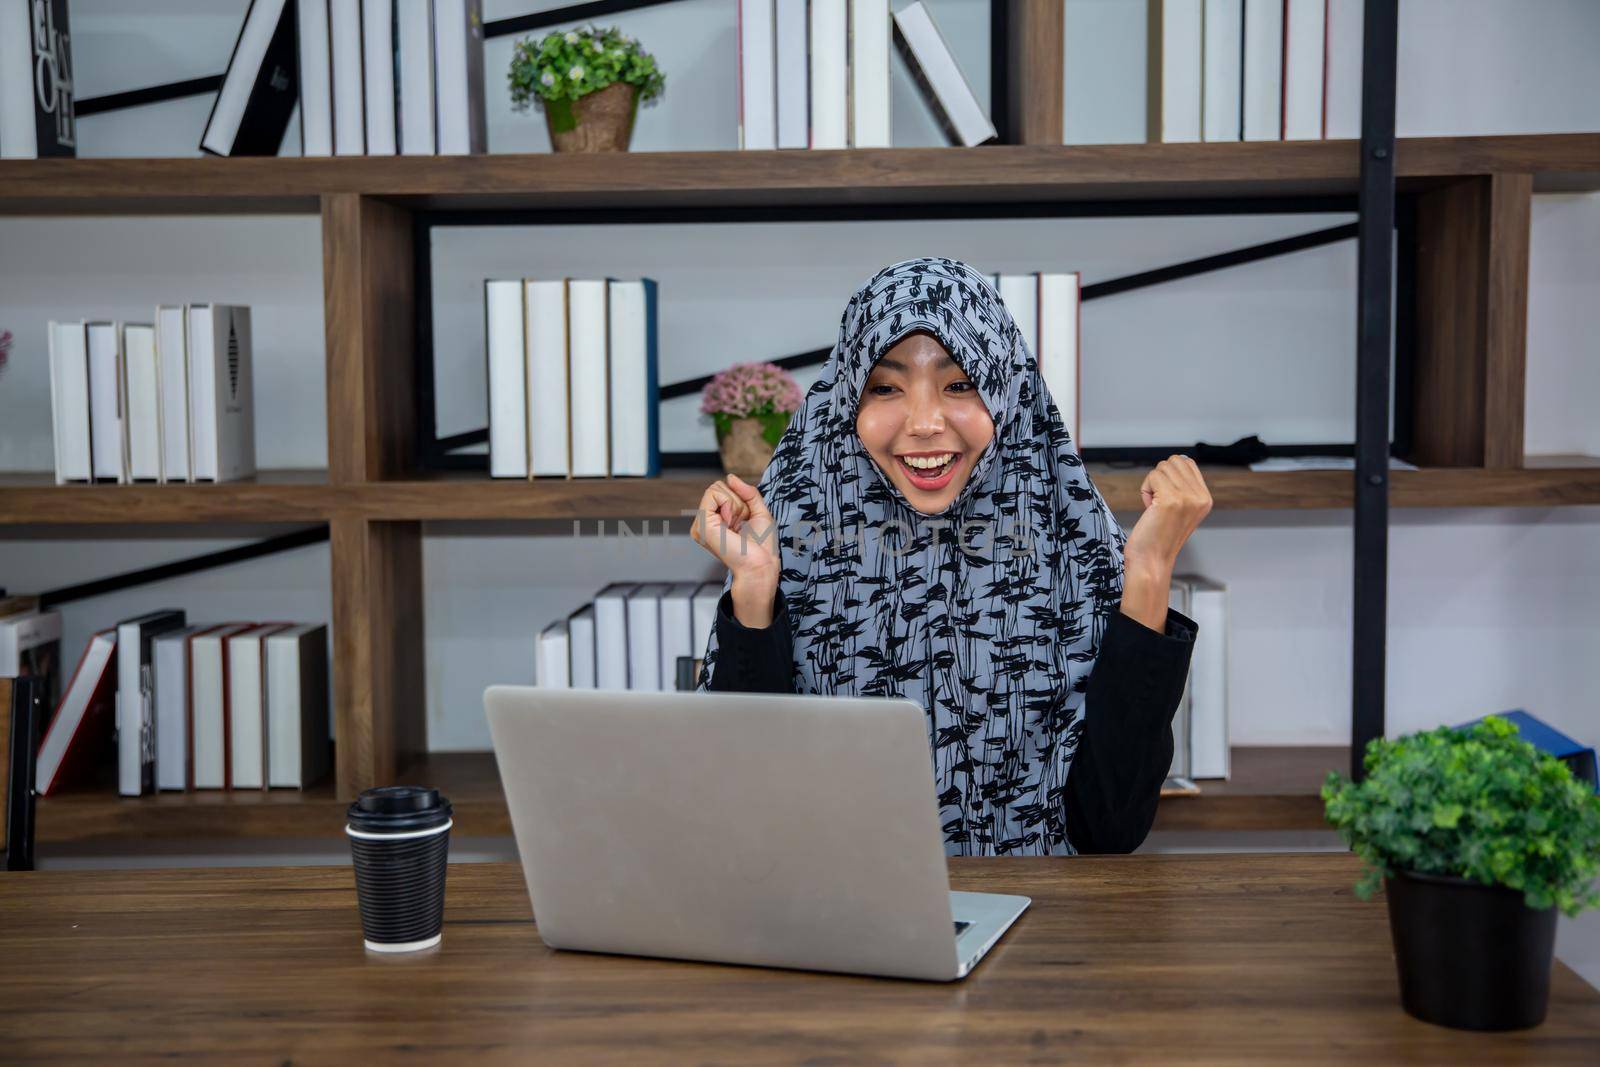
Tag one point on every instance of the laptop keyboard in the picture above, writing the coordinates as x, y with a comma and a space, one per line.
960, 926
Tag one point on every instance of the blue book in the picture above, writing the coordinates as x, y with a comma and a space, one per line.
1546, 738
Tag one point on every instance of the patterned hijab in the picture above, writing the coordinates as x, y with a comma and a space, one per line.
988, 614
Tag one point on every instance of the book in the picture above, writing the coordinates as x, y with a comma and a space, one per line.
458, 70
545, 336
1222, 33
937, 75
69, 402
1020, 293
552, 658
869, 74
259, 89
221, 401
38, 108
581, 663
635, 400
30, 647
172, 355
169, 657
377, 50
1262, 73
644, 636
793, 74
247, 706
413, 33
1304, 54
1174, 89
136, 712
590, 377
298, 750
1580, 760
105, 402
1342, 70
1178, 598
758, 95
344, 39
22, 710
315, 71
1208, 678
830, 78
706, 598
81, 735
208, 706
142, 425
677, 630
504, 318
611, 636
1059, 333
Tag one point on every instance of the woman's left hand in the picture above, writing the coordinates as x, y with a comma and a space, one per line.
1176, 501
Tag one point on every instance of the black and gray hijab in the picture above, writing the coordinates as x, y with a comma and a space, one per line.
988, 614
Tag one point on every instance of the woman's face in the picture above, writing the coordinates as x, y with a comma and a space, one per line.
922, 421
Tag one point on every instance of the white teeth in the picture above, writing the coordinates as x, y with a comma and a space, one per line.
929, 463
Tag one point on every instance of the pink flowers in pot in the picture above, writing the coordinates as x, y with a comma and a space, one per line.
763, 391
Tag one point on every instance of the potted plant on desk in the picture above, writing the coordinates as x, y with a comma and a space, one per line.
1478, 839
590, 83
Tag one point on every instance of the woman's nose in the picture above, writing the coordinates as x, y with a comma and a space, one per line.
926, 416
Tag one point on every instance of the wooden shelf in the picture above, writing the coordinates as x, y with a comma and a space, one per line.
271, 496
1272, 789
987, 174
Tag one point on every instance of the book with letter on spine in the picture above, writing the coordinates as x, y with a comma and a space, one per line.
81, 736
252, 109
38, 105
221, 398
933, 66
298, 752
136, 712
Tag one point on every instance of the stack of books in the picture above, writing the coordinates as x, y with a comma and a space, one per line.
169, 402
634, 635
817, 75
218, 706
1047, 309
1231, 70
373, 77
38, 116
573, 385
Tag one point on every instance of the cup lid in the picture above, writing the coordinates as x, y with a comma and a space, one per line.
392, 809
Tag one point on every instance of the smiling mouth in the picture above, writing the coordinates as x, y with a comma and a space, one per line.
929, 472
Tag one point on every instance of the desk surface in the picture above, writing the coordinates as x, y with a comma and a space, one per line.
1186, 959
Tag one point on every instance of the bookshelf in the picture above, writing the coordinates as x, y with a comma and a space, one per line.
1465, 208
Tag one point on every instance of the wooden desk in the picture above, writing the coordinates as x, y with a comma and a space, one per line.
1160, 958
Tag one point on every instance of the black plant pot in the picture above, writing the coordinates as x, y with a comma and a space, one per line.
1471, 956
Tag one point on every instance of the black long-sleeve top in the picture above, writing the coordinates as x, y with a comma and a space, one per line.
1125, 748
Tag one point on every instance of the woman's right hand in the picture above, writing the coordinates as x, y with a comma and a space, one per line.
734, 525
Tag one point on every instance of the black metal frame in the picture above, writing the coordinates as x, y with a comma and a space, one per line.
1375, 251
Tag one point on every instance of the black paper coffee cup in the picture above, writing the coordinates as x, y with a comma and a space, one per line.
400, 842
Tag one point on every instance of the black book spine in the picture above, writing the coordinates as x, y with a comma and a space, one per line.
55, 122
274, 93
27, 713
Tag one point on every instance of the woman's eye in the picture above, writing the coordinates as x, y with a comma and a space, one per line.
961, 387
880, 390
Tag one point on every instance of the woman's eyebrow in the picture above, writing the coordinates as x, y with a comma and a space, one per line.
894, 364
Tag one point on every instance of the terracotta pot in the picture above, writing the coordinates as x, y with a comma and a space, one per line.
744, 451
603, 120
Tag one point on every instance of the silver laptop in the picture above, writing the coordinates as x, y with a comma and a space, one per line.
779, 831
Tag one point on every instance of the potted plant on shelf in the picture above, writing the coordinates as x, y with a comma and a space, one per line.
750, 403
1478, 838
590, 83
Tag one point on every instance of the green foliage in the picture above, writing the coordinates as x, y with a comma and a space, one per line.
1479, 803
561, 67
773, 423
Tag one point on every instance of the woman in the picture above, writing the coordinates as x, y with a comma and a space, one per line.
934, 535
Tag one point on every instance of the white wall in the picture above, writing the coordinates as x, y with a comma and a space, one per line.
1485, 604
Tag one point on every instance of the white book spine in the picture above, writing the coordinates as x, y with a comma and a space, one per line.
297, 706
629, 389
105, 402
546, 335
794, 75
1182, 719
644, 639
705, 615
1223, 29
553, 661
758, 115
18, 130
1182, 84
590, 378
130, 712
458, 66
1208, 607
1263, 70
414, 44
246, 715
582, 669
316, 78
677, 630
611, 639
830, 114
349, 133
1304, 40
172, 353
951, 95
508, 417
1058, 345
1020, 292
377, 51
69, 401
869, 73
170, 657
143, 403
